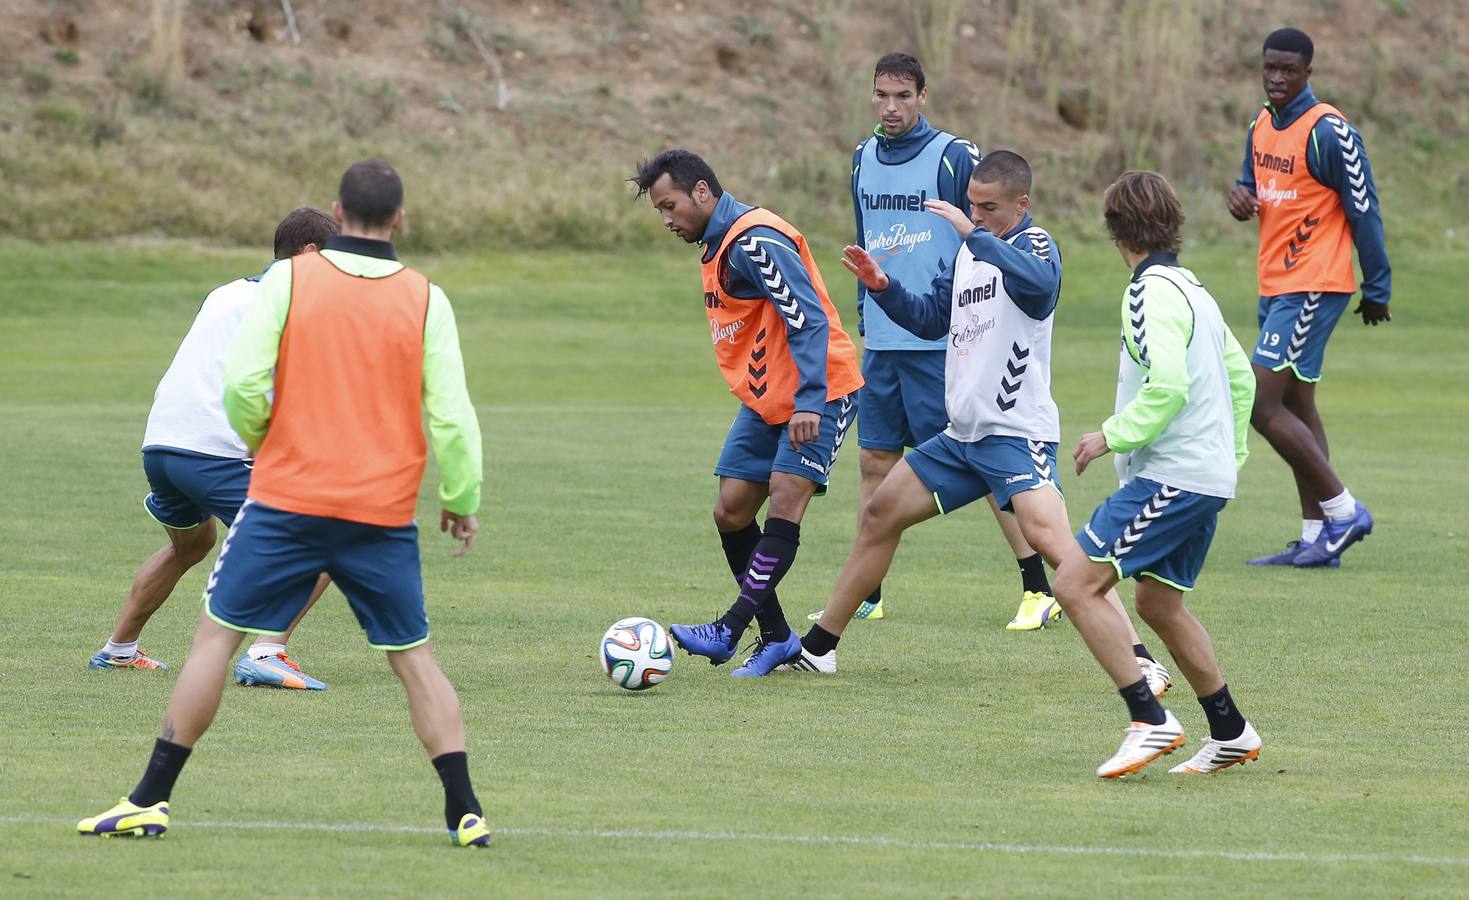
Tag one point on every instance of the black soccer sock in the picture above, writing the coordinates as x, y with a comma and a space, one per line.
1140, 650
453, 769
1225, 720
769, 563
163, 770
1141, 704
876, 596
819, 642
738, 547
1033, 574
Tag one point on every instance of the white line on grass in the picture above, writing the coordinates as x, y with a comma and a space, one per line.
836, 839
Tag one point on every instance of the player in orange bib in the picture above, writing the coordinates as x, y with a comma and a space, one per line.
1307, 180
780, 345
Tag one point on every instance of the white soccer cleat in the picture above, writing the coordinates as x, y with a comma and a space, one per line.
1143, 744
825, 665
1217, 755
1159, 680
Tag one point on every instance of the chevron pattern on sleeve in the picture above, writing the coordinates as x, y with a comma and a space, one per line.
1150, 513
1351, 157
780, 289
974, 156
1040, 244
1137, 322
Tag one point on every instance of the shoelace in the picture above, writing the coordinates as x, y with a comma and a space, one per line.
713, 631
288, 661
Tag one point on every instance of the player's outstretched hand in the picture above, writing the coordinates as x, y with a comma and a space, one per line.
1372, 313
1243, 204
860, 263
951, 214
803, 428
1092, 445
460, 528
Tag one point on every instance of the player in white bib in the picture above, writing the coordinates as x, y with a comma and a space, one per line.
198, 470
904, 161
1184, 395
994, 307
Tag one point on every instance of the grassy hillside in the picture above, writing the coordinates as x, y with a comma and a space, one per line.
515, 123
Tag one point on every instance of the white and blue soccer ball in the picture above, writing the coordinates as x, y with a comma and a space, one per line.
636, 653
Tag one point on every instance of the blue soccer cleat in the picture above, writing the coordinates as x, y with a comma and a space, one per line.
139, 660
768, 656
714, 641
1336, 536
275, 671
1287, 557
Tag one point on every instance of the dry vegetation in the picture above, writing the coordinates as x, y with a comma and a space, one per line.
515, 122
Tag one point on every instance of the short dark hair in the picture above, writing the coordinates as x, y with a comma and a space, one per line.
1291, 40
1006, 167
1143, 213
685, 167
901, 65
370, 193
300, 227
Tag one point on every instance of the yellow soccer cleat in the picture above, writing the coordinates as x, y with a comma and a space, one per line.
472, 832
1036, 611
127, 819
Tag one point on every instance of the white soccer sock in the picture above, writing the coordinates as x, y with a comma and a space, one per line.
1310, 530
1342, 506
265, 651
121, 651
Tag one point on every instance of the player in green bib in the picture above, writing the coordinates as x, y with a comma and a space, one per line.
1184, 395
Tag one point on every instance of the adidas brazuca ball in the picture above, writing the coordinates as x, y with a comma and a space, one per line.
636, 653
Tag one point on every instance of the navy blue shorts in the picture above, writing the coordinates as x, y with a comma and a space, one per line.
270, 560
1150, 530
902, 399
1294, 329
754, 449
187, 488
960, 472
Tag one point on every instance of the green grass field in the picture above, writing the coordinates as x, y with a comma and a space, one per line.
948, 758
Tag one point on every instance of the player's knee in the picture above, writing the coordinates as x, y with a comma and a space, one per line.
1067, 585
729, 518
1156, 611
876, 464
1263, 415
192, 552
879, 518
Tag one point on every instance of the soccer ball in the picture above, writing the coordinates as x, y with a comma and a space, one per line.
636, 653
